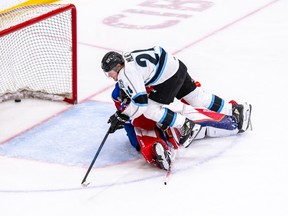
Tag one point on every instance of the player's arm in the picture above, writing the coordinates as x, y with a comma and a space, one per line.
133, 85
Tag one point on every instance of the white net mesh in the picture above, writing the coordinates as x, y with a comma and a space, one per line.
36, 57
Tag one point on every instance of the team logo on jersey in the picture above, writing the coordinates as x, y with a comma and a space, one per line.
127, 89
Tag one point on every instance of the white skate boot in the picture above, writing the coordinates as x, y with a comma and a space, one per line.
163, 157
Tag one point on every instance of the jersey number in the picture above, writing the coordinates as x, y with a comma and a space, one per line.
141, 59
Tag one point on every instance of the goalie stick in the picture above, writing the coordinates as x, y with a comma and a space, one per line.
84, 182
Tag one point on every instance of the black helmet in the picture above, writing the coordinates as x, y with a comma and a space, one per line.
110, 60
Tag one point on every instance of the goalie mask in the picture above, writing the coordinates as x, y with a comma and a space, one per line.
110, 60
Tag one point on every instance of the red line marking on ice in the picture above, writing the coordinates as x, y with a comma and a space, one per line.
225, 26
37, 124
56, 114
97, 46
97, 93
202, 38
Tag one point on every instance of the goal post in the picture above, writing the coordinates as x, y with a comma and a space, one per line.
38, 53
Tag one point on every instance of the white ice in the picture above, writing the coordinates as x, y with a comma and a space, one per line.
237, 49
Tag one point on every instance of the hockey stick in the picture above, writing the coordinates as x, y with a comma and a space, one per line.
84, 182
168, 172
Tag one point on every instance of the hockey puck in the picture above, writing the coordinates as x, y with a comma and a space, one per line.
17, 100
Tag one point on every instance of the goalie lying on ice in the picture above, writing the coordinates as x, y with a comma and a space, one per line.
156, 143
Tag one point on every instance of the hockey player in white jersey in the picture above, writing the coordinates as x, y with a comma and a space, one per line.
167, 78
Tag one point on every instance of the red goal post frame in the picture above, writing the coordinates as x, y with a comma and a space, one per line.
73, 99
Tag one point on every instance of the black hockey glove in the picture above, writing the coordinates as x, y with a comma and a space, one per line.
117, 121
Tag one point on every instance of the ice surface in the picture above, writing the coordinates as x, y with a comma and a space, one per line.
236, 49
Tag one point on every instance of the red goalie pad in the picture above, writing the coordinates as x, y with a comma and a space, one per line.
147, 139
144, 123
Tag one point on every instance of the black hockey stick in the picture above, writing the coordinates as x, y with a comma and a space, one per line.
84, 183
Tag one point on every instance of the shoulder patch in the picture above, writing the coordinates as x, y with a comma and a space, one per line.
128, 57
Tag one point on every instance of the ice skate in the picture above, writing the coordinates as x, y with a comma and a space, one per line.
163, 157
188, 132
242, 112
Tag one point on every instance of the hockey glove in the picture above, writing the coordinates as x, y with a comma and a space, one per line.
117, 121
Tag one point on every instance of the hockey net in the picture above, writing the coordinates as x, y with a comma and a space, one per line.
38, 54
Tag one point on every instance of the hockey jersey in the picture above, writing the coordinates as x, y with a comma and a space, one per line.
144, 68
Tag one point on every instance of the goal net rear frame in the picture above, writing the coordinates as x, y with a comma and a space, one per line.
25, 91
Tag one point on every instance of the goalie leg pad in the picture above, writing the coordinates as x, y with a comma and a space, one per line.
147, 140
143, 122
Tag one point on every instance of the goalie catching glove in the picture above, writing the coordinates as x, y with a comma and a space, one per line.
117, 121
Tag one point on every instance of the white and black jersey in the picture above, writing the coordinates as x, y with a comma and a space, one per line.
170, 79
145, 68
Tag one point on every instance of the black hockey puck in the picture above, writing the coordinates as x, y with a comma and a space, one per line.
17, 100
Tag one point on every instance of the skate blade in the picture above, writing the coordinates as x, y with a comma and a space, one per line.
196, 130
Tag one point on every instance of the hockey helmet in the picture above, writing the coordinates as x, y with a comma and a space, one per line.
110, 60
